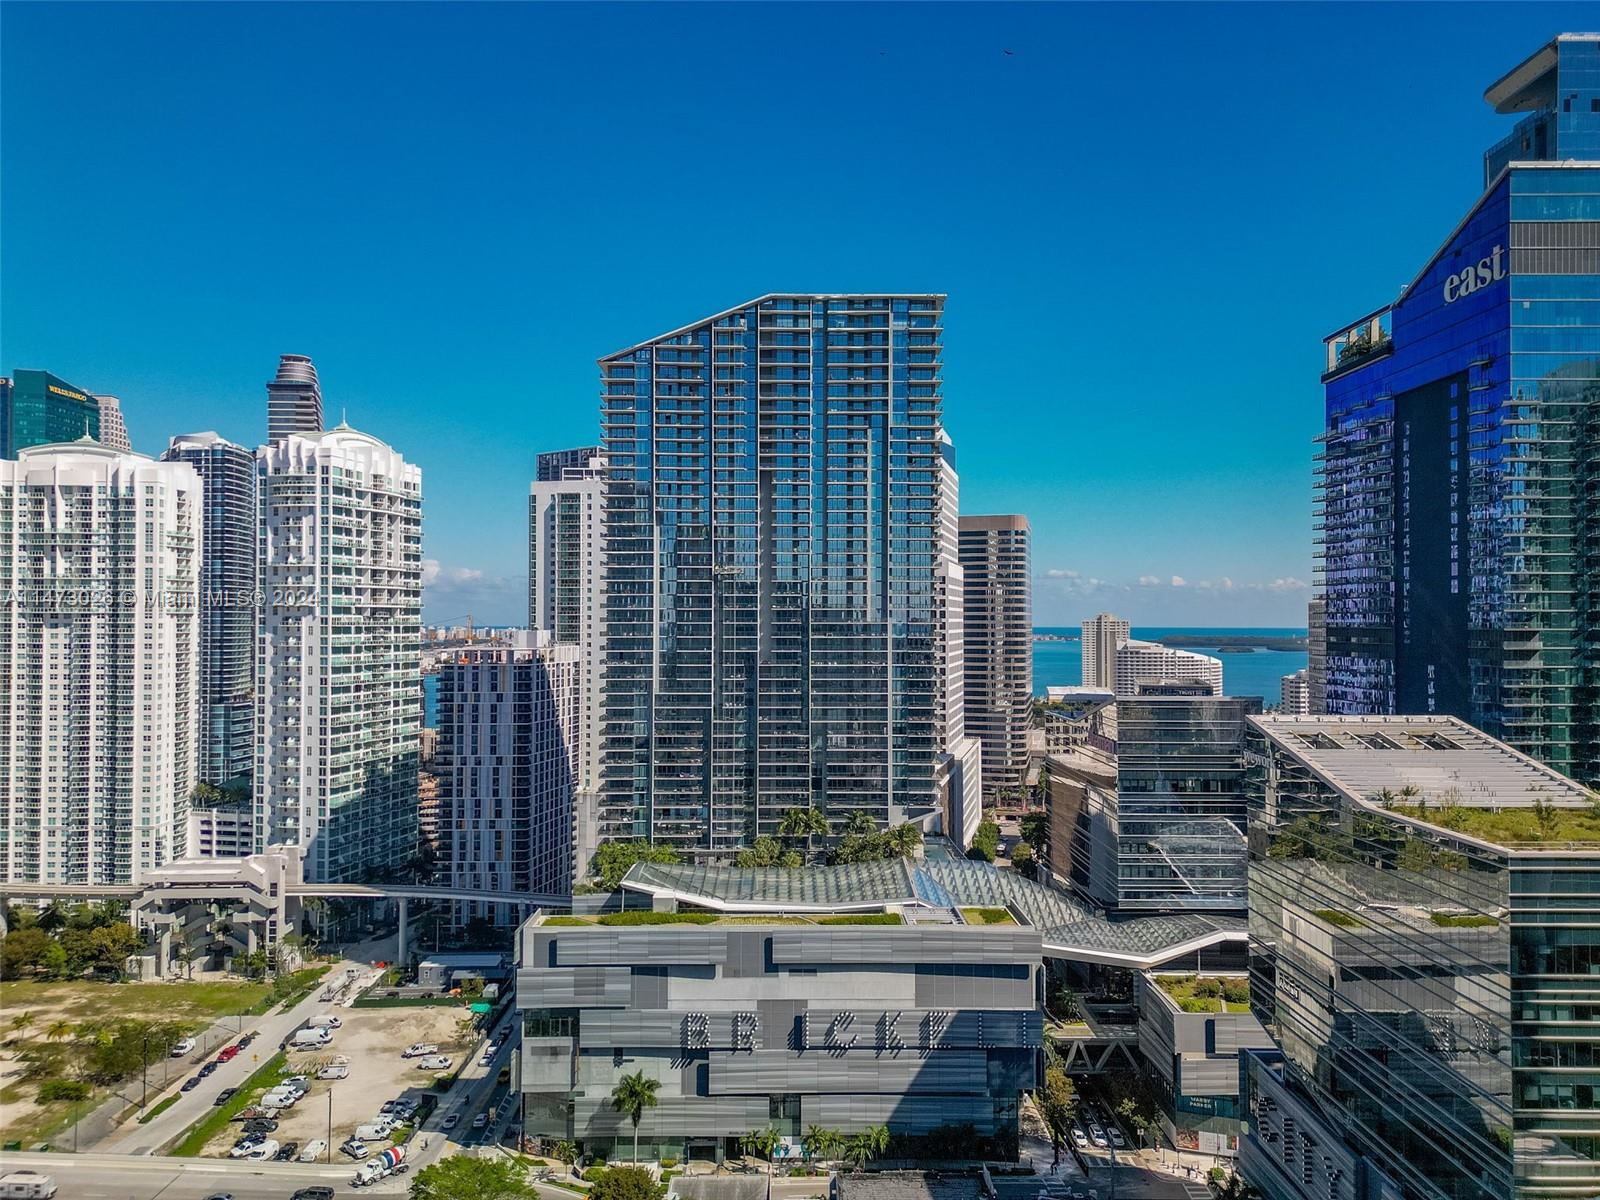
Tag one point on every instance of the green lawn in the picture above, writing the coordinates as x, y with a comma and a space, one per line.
155, 1110
987, 916
79, 1002
1202, 995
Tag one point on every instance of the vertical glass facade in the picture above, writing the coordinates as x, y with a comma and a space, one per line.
38, 409
1435, 993
771, 511
1457, 498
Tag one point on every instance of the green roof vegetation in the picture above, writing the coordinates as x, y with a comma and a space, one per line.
1206, 994
877, 918
1334, 917
1540, 823
1462, 920
646, 917
987, 916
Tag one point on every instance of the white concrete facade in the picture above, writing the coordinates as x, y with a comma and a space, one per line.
958, 770
339, 698
99, 655
1143, 663
1102, 635
1295, 694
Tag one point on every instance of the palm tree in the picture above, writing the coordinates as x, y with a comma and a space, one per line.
819, 1142
877, 1139
807, 822
762, 1142
860, 824
632, 1095
566, 1153
58, 1030
904, 839
54, 916
866, 1146
22, 1020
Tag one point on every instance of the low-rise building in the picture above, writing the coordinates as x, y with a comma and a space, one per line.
221, 832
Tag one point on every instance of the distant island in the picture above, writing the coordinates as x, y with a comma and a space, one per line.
1053, 637
1238, 643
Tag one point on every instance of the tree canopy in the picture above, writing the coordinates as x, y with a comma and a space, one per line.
612, 859
460, 1178
624, 1183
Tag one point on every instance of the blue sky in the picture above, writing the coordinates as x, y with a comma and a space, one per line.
1146, 219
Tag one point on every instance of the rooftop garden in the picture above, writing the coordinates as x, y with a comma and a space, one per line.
1540, 823
1206, 994
987, 916
1462, 920
636, 916
1335, 917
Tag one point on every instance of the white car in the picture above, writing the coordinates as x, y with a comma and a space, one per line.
263, 1151
1079, 1138
182, 1047
434, 1062
313, 1150
451, 1121
418, 1049
356, 1149
243, 1146
335, 1072
1117, 1140
479, 1121
1098, 1136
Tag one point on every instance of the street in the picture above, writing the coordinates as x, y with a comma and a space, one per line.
192, 1106
118, 1177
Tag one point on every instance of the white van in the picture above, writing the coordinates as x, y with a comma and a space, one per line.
262, 1152
310, 1039
182, 1046
26, 1185
374, 1132
313, 1150
324, 1021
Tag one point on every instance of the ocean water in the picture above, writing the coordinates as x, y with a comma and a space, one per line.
1244, 673
1252, 673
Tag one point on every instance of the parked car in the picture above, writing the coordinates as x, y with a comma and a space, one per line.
245, 1145
1079, 1138
313, 1193
227, 1054
206, 1070
1097, 1135
355, 1149
333, 1073
326, 1020
190, 1084
261, 1125
182, 1046
224, 1096
479, 1121
287, 1152
245, 1041
1117, 1140
434, 1062
418, 1049
262, 1153
298, 1082
313, 1150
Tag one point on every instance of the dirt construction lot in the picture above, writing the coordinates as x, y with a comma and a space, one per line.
372, 1039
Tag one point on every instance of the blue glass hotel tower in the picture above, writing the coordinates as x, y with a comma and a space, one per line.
1459, 470
772, 508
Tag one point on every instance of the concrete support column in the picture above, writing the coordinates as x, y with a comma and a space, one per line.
402, 955
164, 951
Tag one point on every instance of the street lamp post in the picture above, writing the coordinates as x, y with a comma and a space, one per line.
330, 1123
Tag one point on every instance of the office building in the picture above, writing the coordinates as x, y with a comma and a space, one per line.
1147, 812
113, 432
920, 1027
1145, 668
1294, 694
1425, 949
958, 770
294, 399
769, 596
99, 654
1102, 635
338, 695
1191, 1030
508, 761
228, 603
566, 547
1459, 542
41, 409
999, 644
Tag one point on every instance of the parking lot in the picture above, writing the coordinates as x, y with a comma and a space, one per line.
372, 1039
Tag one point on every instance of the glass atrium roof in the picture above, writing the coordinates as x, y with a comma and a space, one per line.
1070, 928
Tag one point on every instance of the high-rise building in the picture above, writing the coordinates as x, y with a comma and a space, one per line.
1144, 668
294, 399
1424, 941
338, 696
578, 463
1317, 654
228, 605
771, 526
113, 431
508, 763
41, 409
1102, 635
999, 644
958, 771
1294, 694
1148, 814
99, 663
566, 546
1460, 535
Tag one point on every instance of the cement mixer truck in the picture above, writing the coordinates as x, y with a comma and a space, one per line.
389, 1162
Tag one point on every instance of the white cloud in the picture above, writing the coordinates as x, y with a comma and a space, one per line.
1288, 584
1149, 581
1177, 581
1058, 573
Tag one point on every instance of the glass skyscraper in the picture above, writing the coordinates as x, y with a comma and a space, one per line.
1458, 505
39, 409
772, 512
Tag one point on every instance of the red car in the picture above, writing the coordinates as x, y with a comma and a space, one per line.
228, 1054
